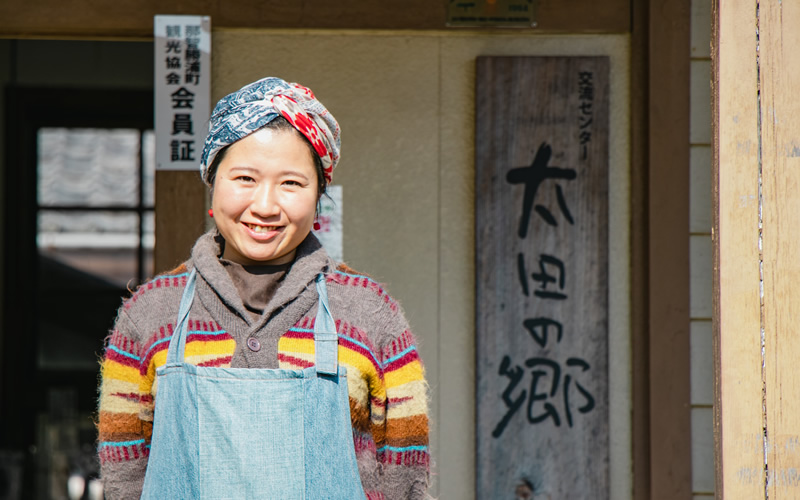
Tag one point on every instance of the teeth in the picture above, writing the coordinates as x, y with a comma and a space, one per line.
260, 229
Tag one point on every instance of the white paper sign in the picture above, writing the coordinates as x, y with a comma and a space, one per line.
182, 89
330, 221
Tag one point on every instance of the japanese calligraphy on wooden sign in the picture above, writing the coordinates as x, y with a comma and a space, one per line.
542, 277
182, 89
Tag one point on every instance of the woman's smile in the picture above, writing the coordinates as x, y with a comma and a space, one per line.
261, 229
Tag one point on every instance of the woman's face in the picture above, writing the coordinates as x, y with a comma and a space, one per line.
265, 197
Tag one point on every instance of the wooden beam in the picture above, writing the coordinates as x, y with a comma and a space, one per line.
779, 72
640, 296
91, 18
736, 315
757, 249
670, 419
180, 216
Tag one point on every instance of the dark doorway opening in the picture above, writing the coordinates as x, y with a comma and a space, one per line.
77, 233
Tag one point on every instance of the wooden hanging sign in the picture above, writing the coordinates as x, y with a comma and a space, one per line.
542, 277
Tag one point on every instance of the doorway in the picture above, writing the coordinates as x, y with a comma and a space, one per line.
78, 234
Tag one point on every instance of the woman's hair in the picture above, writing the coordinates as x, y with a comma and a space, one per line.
278, 124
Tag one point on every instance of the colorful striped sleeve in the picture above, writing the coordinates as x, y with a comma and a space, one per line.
124, 437
405, 452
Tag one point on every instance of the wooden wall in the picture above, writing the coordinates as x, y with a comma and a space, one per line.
757, 244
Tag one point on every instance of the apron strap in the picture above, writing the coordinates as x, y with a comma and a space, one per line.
326, 340
176, 349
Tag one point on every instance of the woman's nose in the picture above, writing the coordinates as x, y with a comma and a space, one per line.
265, 202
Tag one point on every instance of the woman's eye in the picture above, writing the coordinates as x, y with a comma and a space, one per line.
244, 178
291, 183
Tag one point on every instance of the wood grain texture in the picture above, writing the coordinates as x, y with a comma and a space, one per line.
737, 313
779, 72
535, 431
180, 216
757, 133
135, 17
668, 250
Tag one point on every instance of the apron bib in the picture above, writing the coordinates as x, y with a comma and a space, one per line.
242, 433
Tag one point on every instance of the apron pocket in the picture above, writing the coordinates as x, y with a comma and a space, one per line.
251, 438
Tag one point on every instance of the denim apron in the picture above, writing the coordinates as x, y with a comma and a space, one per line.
247, 433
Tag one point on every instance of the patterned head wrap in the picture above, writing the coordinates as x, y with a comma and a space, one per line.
241, 113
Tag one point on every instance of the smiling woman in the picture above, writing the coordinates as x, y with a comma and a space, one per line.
265, 196
261, 368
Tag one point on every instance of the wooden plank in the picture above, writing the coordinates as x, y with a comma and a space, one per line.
737, 323
180, 216
640, 293
572, 15
542, 277
82, 18
668, 250
779, 68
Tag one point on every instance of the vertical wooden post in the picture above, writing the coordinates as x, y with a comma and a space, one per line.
180, 216
779, 74
756, 248
668, 250
737, 323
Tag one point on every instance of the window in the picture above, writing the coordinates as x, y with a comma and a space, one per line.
95, 223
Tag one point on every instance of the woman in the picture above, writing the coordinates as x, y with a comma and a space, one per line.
259, 368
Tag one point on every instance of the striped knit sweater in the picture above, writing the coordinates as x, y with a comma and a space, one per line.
388, 393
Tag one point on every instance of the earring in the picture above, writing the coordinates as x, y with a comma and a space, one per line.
317, 226
211, 212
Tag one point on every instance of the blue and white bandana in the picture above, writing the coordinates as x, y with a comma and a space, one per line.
241, 113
